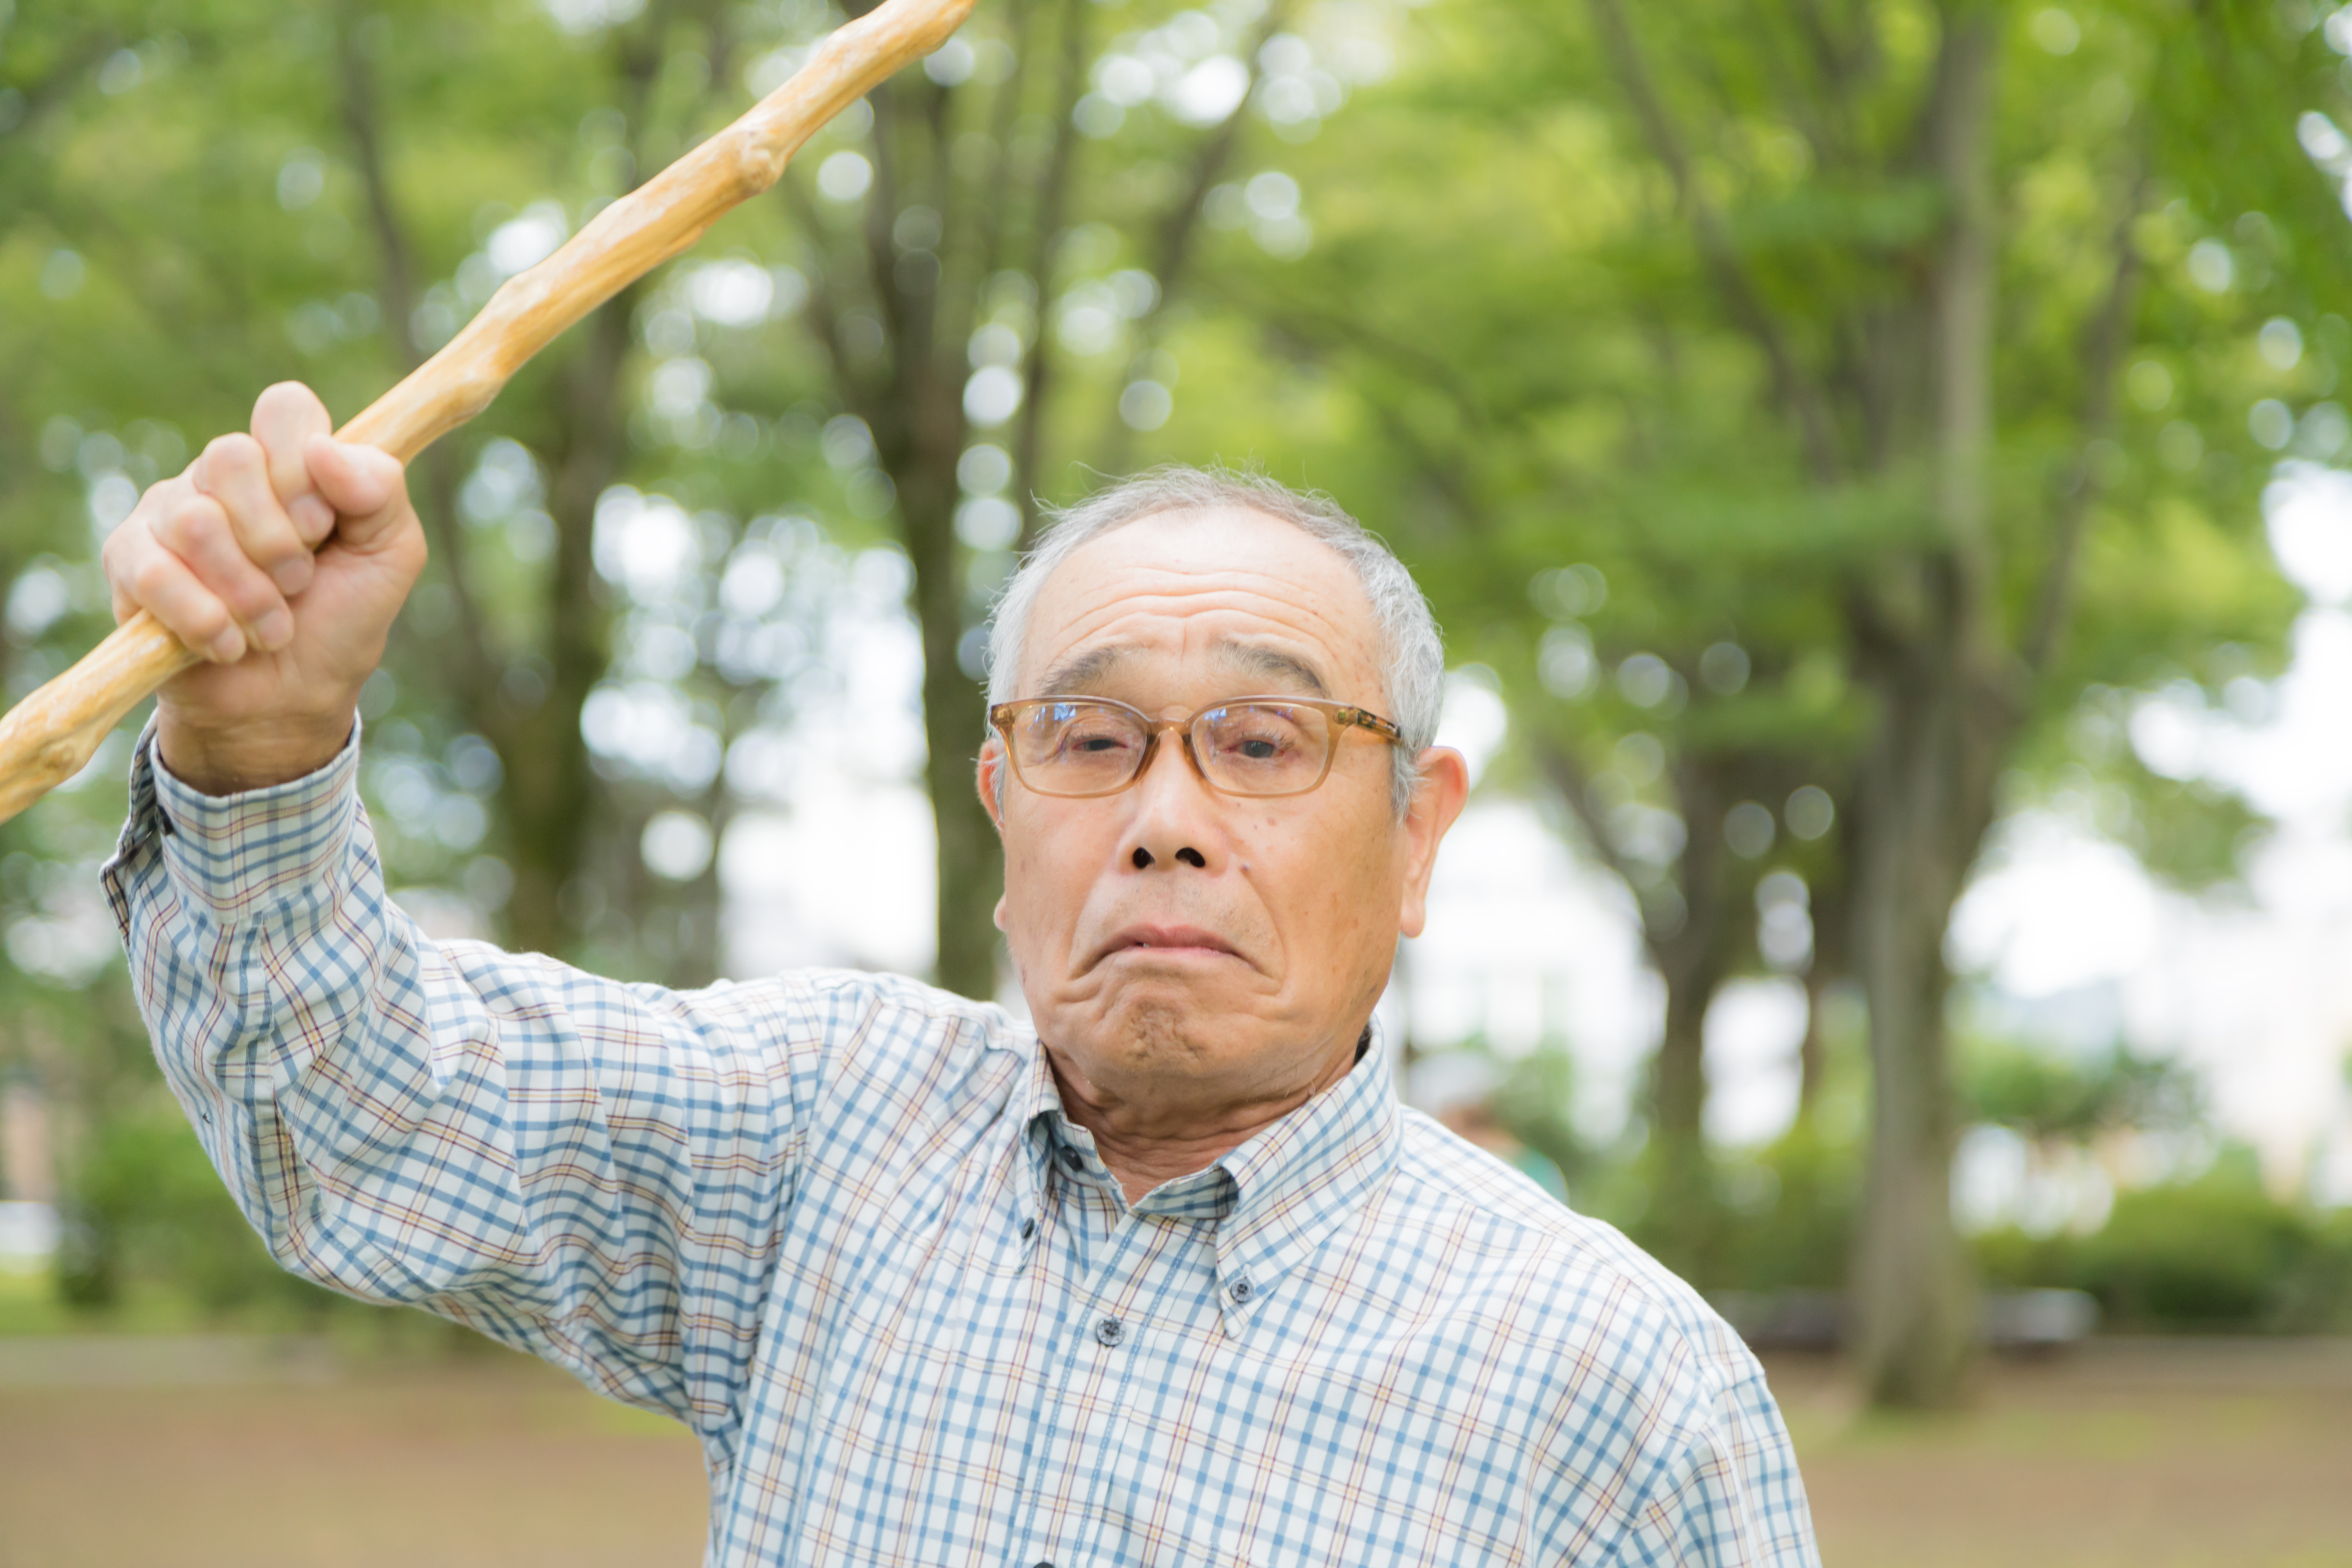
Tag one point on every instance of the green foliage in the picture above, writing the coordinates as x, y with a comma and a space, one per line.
2046, 1095
1797, 1232
150, 1214
1490, 327
2215, 1253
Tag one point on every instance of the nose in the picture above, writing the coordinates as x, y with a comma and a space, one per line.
1175, 817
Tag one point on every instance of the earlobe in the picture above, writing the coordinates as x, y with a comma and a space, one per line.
1444, 789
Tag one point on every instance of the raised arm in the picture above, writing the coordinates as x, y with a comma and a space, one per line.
593, 1171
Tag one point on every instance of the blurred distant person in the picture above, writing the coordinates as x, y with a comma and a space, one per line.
1169, 1278
1460, 1089
1475, 1123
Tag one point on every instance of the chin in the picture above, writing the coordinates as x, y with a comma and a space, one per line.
1168, 1024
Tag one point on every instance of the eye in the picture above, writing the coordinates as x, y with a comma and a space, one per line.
1253, 734
1084, 733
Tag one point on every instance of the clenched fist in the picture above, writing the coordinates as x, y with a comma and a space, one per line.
223, 555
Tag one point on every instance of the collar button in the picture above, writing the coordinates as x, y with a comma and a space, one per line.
1240, 1291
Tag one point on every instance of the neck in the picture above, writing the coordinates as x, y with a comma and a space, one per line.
1150, 1134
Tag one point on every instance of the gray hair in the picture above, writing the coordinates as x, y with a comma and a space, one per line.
1410, 647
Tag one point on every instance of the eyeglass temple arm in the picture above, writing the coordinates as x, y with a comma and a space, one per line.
1364, 719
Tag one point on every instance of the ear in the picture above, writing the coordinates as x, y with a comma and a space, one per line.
988, 778
1437, 800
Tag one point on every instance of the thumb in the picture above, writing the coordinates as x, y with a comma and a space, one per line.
367, 488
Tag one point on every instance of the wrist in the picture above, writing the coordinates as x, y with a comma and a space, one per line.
218, 759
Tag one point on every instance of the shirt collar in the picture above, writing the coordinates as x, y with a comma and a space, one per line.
1304, 1176
1274, 1198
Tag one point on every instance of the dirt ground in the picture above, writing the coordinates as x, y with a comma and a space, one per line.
2155, 1454
207, 1453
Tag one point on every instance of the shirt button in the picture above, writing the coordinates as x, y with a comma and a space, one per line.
1110, 1331
1028, 1228
1239, 1291
1074, 1159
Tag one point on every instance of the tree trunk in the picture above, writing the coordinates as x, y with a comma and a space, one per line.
970, 874
1944, 719
1693, 959
549, 792
550, 789
1678, 1226
1831, 900
916, 412
1923, 809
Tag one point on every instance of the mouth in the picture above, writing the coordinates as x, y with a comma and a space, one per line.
1151, 941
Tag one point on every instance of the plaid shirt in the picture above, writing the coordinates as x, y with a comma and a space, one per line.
839, 1225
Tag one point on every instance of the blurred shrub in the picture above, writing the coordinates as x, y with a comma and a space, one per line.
2217, 1254
149, 1215
1778, 1218
2049, 1095
1796, 1230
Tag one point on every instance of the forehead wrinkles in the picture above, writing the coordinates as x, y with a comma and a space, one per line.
1189, 612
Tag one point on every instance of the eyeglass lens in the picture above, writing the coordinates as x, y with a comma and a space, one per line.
1244, 748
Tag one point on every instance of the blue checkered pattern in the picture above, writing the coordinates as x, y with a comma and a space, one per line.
838, 1225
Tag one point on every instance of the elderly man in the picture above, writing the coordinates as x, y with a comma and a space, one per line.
1166, 1276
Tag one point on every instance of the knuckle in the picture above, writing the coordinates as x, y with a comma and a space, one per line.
192, 526
265, 541
148, 577
235, 453
249, 595
164, 494
201, 620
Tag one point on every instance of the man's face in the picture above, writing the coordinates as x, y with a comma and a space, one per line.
1178, 944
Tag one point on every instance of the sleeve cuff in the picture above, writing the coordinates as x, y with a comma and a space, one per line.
239, 853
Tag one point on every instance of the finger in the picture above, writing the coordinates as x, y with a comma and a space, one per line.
118, 553
235, 471
200, 534
160, 583
367, 488
284, 418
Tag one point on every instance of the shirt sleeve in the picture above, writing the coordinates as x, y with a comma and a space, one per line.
593, 1171
1726, 1491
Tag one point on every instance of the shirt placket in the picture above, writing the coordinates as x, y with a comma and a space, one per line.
1099, 1252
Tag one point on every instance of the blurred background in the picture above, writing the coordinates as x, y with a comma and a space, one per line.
1875, 463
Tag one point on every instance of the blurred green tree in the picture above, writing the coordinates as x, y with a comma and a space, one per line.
1029, 198
1926, 358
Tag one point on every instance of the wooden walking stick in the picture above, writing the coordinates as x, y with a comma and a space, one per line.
46, 738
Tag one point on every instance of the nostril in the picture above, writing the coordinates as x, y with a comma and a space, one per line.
1192, 857
1143, 858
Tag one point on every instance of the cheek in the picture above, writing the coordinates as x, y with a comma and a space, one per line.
1332, 888
1050, 867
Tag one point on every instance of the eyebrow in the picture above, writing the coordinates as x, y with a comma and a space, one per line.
1086, 671
1273, 664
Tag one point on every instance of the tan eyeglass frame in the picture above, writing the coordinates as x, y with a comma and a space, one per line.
1343, 717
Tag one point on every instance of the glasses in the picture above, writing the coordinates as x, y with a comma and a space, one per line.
1079, 746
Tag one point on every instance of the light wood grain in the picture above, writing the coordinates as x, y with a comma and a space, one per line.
45, 739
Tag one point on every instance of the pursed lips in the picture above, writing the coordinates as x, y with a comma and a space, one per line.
1173, 941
